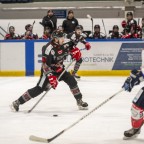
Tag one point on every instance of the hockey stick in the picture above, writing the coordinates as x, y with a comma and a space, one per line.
2, 34
50, 87
104, 27
3, 29
40, 139
88, 16
8, 27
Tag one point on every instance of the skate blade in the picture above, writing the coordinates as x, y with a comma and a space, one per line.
129, 138
12, 108
82, 108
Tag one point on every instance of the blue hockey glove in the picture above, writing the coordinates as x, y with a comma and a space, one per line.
135, 78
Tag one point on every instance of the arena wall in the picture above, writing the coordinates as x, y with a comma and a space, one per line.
106, 57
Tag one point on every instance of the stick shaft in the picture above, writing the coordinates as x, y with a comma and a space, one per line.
3, 29
104, 27
35, 138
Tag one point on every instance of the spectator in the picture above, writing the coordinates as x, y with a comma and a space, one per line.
70, 23
46, 33
97, 34
115, 34
50, 21
29, 33
11, 34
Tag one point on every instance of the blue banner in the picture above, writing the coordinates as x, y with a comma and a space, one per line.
129, 56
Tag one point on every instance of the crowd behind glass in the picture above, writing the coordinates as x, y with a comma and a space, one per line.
131, 29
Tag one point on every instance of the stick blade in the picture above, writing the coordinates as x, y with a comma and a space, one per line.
38, 139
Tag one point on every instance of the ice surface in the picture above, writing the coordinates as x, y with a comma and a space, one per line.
105, 126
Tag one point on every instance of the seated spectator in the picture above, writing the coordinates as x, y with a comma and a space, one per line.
115, 34
46, 33
11, 34
70, 23
29, 33
97, 33
50, 20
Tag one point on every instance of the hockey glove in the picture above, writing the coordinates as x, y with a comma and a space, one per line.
53, 81
75, 53
135, 78
128, 84
88, 46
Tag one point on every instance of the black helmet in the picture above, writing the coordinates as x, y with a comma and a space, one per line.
115, 27
80, 27
57, 34
129, 13
97, 26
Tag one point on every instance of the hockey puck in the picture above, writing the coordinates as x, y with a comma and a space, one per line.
55, 115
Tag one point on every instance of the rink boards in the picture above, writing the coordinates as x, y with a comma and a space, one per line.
106, 57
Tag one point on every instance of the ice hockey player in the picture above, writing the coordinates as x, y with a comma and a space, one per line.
46, 33
97, 33
53, 56
137, 109
11, 34
131, 26
29, 33
76, 37
115, 34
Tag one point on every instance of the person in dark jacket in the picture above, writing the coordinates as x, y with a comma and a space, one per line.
50, 20
70, 23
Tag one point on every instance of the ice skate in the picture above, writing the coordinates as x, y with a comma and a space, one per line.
15, 106
132, 133
82, 105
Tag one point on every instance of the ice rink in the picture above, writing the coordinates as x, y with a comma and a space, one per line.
104, 126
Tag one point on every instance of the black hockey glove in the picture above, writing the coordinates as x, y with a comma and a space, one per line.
135, 78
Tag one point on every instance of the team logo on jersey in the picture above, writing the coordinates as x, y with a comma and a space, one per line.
60, 52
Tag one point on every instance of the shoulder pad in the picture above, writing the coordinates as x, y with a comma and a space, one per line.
48, 49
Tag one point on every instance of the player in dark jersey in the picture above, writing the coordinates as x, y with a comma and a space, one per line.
115, 34
53, 56
29, 33
76, 37
131, 26
97, 33
11, 34
46, 33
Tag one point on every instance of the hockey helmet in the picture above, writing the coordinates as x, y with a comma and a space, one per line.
97, 26
115, 27
129, 13
57, 34
80, 27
